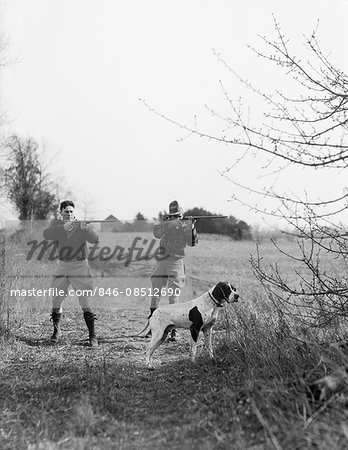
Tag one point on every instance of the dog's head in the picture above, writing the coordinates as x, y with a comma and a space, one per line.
225, 292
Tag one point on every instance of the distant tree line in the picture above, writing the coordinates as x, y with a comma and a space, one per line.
140, 224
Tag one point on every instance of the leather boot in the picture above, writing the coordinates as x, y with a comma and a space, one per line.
148, 334
55, 318
89, 319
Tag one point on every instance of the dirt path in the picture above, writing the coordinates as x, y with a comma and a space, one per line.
67, 396
113, 327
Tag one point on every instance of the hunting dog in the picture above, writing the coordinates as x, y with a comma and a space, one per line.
196, 315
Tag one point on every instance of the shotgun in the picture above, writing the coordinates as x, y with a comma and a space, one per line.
196, 217
165, 218
95, 221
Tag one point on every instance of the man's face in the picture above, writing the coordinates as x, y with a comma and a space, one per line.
68, 213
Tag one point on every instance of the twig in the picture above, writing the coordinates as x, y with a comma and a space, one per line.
319, 411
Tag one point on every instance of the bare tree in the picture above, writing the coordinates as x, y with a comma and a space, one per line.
308, 130
26, 181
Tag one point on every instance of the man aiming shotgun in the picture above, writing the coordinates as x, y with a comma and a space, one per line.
71, 236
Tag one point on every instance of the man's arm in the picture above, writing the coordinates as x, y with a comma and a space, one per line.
194, 237
191, 233
157, 231
91, 236
54, 231
162, 228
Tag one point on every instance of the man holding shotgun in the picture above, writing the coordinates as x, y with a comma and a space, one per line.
71, 236
169, 272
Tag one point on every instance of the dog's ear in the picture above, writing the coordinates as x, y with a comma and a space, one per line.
232, 287
222, 290
227, 288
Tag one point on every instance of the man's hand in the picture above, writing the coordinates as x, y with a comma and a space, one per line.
188, 223
83, 225
69, 226
177, 223
172, 224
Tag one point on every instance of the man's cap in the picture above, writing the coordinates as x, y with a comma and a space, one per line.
175, 209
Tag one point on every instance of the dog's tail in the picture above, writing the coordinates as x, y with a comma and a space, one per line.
142, 331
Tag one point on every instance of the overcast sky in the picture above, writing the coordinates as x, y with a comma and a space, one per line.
79, 68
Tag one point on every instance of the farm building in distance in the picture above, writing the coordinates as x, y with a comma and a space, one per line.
114, 227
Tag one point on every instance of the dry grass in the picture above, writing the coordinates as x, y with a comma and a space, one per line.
254, 396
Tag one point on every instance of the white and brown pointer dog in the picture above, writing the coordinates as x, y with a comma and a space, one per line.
196, 315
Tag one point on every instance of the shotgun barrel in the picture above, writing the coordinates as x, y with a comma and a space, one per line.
197, 217
95, 221
204, 217
165, 218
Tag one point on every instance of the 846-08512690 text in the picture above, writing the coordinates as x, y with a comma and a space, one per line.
137, 292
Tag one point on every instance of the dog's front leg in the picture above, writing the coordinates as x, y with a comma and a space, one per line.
208, 341
193, 342
149, 354
193, 350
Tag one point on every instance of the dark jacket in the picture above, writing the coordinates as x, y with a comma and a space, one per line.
70, 246
174, 240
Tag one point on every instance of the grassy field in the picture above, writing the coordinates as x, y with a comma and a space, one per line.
254, 396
